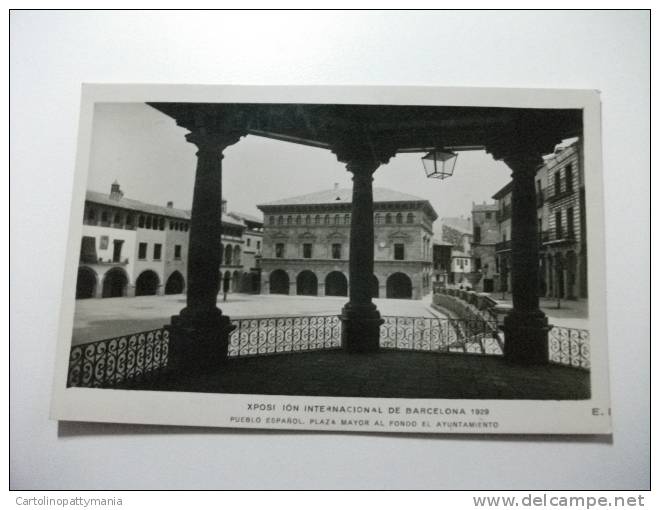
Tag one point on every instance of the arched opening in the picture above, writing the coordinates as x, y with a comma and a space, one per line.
236, 282
374, 286
256, 283
399, 286
279, 282
237, 255
228, 253
226, 282
114, 283
571, 275
559, 276
307, 284
175, 283
336, 284
246, 283
147, 283
86, 283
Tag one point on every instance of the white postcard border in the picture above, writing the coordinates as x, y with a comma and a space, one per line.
590, 416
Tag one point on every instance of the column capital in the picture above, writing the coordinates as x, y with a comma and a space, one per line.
214, 142
362, 155
523, 162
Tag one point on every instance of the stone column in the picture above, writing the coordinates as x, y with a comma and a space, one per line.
199, 335
360, 318
526, 326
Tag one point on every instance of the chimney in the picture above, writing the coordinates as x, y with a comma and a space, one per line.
170, 204
115, 192
336, 185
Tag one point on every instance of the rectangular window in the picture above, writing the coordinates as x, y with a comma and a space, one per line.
477, 264
570, 222
142, 251
307, 251
177, 251
489, 215
279, 250
476, 234
336, 251
116, 252
558, 228
104, 243
399, 252
157, 250
248, 241
568, 177
258, 245
557, 183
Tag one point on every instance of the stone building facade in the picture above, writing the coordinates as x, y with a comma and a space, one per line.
306, 244
561, 217
458, 233
485, 235
133, 248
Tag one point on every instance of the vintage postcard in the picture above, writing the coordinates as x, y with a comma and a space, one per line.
373, 259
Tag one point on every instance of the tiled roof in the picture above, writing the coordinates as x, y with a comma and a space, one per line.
505, 190
344, 196
135, 205
484, 207
246, 217
463, 225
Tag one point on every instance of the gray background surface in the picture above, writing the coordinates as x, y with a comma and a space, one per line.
52, 53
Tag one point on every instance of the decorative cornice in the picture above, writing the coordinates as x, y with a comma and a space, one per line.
399, 234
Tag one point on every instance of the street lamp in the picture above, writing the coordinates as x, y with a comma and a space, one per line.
439, 163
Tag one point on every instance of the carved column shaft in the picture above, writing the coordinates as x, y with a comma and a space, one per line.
526, 326
361, 261
199, 335
205, 230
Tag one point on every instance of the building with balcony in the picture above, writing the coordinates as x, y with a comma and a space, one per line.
561, 225
252, 246
485, 236
306, 244
441, 261
458, 233
133, 248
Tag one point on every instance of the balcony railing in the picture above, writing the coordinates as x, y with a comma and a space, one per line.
552, 193
129, 360
566, 346
440, 335
554, 235
277, 335
120, 361
569, 346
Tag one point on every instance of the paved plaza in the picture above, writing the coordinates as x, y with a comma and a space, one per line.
97, 319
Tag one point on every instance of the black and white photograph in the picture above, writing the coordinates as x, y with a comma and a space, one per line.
385, 251
344, 250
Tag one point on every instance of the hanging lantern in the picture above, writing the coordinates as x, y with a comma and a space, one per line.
439, 163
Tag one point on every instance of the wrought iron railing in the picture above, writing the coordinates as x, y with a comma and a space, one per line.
276, 335
130, 359
566, 346
569, 346
119, 361
553, 235
440, 335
